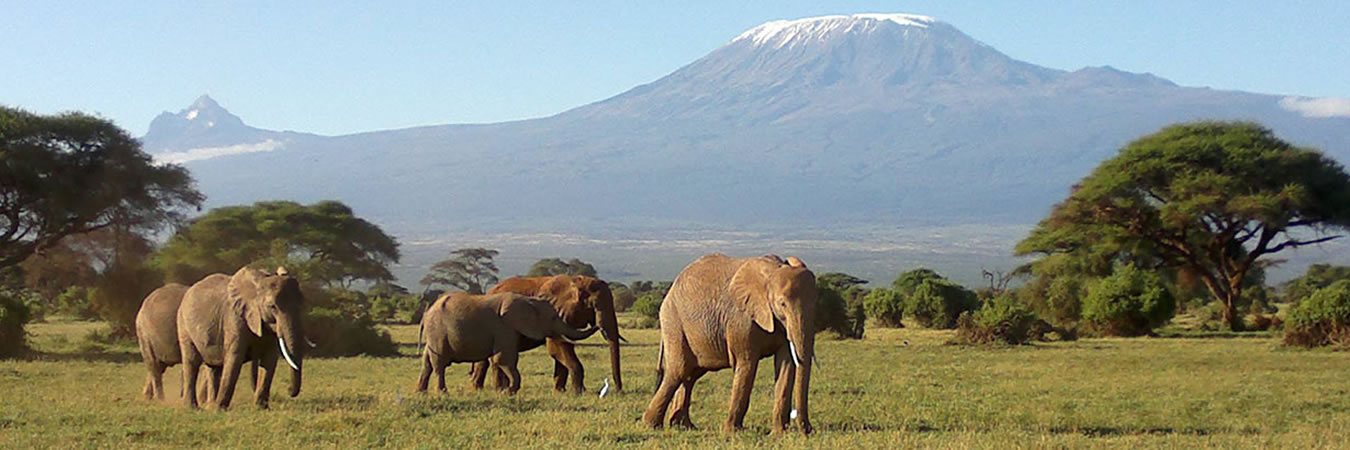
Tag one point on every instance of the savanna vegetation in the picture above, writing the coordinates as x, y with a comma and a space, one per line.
1170, 238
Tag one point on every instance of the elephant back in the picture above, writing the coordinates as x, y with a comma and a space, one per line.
157, 323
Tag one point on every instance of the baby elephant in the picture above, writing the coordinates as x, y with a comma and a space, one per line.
467, 328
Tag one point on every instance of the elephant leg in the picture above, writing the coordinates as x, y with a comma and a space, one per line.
213, 384
506, 361
228, 379
192, 361
679, 417
440, 366
478, 374
253, 374
499, 378
425, 378
262, 391
565, 361
785, 375
743, 381
157, 381
656, 409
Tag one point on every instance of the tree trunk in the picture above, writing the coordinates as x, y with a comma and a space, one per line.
1230, 313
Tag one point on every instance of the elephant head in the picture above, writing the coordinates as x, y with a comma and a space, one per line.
782, 293
588, 300
272, 303
536, 319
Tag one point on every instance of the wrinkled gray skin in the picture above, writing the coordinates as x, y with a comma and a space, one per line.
467, 328
225, 321
728, 313
157, 334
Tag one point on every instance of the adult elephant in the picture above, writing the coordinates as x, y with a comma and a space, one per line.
462, 327
582, 302
727, 312
157, 335
225, 321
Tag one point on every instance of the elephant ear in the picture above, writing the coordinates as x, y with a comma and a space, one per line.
522, 315
243, 294
750, 286
563, 294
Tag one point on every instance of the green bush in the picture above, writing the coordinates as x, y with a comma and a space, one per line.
835, 314
118, 295
1063, 304
624, 297
1322, 318
909, 281
648, 306
1129, 302
393, 308
14, 316
77, 302
936, 303
1001, 320
340, 334
886, 306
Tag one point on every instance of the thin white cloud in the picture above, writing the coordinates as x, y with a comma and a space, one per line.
1317, 107
216, 152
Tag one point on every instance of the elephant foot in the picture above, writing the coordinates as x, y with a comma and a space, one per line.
682, 422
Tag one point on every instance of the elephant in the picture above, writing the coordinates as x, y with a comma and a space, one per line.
582, 301
157, 334
225, 321
724, 312
468, 328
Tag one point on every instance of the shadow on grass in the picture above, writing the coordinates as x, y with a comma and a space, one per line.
431, 405
1109, 431
85, 356
1192, 334
1088, 430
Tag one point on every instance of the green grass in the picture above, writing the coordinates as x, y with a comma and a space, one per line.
873, 393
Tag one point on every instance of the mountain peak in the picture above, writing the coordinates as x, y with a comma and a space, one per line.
205, 102
202, 121
781, 33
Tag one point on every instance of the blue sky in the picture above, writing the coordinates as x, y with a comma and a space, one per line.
342, 67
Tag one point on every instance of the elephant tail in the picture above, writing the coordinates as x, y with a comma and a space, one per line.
660, 362
420, 328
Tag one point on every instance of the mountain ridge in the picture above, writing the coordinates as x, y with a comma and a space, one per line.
869, 121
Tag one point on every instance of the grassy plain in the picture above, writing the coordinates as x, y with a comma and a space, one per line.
1132, 393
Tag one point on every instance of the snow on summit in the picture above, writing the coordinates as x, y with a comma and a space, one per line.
786, 33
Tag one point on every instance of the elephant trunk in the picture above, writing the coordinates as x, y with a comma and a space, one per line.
289, 340
802, 343
574, 334
609, 325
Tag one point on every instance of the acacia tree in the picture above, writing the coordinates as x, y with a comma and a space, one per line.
1210, 197
74, 173
556, 266
469, 269
325, 243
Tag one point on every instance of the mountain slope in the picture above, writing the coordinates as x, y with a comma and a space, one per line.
863, 119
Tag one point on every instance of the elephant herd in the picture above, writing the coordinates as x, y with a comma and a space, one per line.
720, 313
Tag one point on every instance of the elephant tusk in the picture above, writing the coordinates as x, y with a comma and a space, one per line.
287, 354
310, 343
796, 360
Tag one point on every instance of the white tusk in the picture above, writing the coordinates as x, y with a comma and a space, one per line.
797, 360
311, 343
604, 389
287, 354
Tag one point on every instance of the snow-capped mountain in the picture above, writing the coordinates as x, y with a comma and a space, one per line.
206, 130
862, 119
